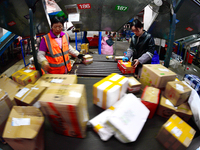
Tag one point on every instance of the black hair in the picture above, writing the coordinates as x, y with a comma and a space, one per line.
57, 19
137, 23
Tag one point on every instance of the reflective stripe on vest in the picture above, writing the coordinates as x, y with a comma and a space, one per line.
59, 65
56, 55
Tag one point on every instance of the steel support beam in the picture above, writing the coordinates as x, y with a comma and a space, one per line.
32, 35
171, 40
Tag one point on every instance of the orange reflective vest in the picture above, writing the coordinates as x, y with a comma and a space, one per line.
57, 57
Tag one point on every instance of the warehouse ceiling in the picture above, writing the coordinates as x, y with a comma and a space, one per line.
14, 17
102, 15
99, 15
187, 22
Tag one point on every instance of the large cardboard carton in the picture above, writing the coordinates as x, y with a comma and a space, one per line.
128, 119
177, 92
156, 75
9, 86
109, 90
29, 95
25, 76
24, 128
5, 107
134, 85
49, 79
175, 134
151, 98
167, 109
66, 109
125, 67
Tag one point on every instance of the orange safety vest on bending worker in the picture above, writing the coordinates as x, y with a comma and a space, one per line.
57, 57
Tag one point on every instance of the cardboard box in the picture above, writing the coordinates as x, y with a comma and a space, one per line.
175, 134
26, 124
156, 75
151, 98
5, 107
83, 51
177, 92
49, 79
66, 109
29, 95
85, 46
125, 67
87, 59
9, 86
166, 109
134, 85
109, 90
25, 76
127, 120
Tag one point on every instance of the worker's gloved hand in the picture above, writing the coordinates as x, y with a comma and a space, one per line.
80, 56
45, 65
125, 59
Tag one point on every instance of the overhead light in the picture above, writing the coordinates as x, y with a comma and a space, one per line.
71, 9
158, 2
197, 2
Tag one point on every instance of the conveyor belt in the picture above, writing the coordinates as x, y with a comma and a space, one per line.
101, 67
97, 57
96, 69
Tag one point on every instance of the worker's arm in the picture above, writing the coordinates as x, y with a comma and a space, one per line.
42, 60
73, 52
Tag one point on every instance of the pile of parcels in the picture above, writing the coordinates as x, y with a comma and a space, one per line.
64, 102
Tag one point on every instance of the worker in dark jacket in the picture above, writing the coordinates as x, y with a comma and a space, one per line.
141, 47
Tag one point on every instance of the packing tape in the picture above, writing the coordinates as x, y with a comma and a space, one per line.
74, 120
177, 130
98, 127
28, 93
104, 101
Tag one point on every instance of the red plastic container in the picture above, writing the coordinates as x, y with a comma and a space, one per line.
190, 59
93, 41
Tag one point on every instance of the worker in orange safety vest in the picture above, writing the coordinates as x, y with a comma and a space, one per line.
53, 54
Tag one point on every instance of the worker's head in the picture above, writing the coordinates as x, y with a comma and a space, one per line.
137, 27
57, 24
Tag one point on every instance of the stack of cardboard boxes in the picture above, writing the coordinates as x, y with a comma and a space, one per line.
175, 133
56, 96
64, 103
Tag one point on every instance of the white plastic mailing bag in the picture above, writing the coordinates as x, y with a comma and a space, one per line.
128, 119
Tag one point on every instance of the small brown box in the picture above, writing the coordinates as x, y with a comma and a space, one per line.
177, 92
166, 109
